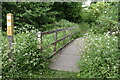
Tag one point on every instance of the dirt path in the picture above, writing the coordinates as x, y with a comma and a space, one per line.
67, 59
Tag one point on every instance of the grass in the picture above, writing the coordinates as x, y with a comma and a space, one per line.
48, 73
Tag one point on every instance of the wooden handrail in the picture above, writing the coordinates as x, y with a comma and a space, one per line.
60, 49
54, 43
49, 32
55, 38
63, 38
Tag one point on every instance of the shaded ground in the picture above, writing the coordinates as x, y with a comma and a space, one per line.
47, 73
67, 59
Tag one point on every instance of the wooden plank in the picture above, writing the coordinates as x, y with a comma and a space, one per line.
49, 32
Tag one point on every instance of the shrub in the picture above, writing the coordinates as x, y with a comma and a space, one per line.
60, 24
29, 14
101, 57
27, 58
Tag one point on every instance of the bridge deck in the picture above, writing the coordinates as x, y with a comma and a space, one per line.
67, 58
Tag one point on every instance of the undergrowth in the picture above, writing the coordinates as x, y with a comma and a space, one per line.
101, 58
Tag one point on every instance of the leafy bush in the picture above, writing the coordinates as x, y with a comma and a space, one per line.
69, 10
60, 24
27, 58
108, 21
94, 11
84, 27
102, 15
29, 15
101, 58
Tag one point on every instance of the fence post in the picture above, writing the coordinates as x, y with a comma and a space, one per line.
55, 39
39, 40
10, 26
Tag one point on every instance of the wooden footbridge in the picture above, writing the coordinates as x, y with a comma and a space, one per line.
68, 55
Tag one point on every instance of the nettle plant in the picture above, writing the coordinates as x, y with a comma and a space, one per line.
101, 58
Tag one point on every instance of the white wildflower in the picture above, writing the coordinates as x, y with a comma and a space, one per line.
113, 32
108, 32
97, 9
116, 32
114, 39
26, 53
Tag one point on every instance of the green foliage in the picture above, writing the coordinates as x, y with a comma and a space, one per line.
1, 51
60, 24
101, 58
29, 15
94, 11
69, 10
27, 58
103, 15
32, 15
84, 27
109, 20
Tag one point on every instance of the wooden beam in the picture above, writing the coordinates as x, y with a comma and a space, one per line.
50, 32
63, 38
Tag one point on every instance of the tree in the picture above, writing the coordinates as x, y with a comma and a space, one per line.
69, 10
103, 15
29, 15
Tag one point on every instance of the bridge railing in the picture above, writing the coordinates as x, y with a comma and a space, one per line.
56, 40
